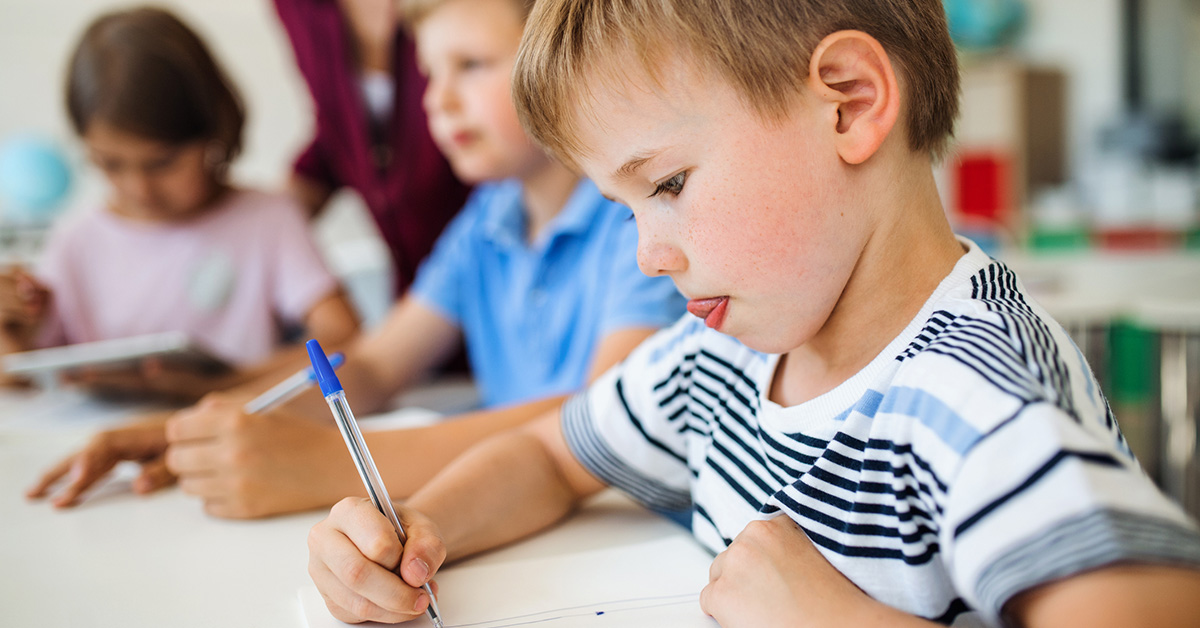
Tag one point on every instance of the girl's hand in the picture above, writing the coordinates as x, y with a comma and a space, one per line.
354, 557
24, 303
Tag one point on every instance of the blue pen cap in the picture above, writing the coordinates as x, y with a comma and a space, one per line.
325, 378
335, 361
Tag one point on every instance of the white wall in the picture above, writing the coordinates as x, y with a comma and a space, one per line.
1082, 37
37, 36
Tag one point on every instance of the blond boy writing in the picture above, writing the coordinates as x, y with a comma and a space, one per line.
873, 424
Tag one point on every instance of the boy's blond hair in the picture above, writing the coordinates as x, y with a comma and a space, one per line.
760, 47
413, 11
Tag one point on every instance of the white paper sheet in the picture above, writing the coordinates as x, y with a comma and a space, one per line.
656, 583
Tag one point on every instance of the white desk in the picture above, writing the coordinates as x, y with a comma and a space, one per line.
125, 561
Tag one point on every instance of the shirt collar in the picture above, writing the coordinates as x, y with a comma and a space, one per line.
505, 224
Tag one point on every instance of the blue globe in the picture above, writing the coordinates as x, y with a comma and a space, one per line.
984, 24
34, 178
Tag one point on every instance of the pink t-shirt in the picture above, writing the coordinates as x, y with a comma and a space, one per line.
232, 278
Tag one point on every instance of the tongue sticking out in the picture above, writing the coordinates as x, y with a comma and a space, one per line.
712, 310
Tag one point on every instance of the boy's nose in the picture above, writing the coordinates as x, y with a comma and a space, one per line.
439, 97
659, 257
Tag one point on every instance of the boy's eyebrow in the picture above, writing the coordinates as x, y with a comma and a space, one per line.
631, 167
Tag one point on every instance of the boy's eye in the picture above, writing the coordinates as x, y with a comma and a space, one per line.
471, 64
672, 186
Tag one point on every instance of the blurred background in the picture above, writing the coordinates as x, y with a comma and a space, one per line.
1075, 162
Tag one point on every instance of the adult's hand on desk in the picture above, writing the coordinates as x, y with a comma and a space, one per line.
144, 443
772, 575
247, 466
353, 556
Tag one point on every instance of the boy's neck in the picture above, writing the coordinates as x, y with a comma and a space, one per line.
545, 191
910, 251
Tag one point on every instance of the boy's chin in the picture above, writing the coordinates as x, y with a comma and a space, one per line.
474, 171
761, 340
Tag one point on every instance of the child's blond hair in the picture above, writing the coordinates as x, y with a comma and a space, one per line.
412, 12
760, 47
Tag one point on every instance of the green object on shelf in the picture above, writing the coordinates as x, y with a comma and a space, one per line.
1191, 239
1133, 364
1059, 240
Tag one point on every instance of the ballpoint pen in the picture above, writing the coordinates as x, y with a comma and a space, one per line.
335, 396
288, 389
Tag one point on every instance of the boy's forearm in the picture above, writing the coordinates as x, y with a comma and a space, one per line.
505, 489
1116, 596
410, 458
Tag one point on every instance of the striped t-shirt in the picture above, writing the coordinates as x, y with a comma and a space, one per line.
973, 458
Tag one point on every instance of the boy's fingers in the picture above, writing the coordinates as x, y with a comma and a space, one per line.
349, 606
191, 458
85, 470
48, 478
370, 531
155, 475
203, 486
348, 580
715, 569
424, 552
198, 424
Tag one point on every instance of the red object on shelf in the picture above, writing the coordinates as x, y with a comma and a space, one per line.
1139, 238
983, 185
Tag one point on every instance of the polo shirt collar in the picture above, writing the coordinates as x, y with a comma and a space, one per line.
506, 224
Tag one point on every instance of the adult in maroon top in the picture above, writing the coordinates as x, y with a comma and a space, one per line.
388, 156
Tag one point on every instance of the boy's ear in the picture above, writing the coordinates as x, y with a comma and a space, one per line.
850, 72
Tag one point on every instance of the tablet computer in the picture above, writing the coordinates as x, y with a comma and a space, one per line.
176, 349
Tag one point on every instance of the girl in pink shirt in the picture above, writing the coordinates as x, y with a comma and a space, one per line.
175, 247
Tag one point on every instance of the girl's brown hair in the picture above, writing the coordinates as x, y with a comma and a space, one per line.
145, 72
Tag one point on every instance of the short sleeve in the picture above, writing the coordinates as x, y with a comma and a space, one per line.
301, 277
1043, 497
634, 299
618, 432
440, 279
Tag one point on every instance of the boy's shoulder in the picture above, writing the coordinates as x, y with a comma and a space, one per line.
985, 350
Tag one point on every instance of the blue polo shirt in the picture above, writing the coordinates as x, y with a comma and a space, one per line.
532, 313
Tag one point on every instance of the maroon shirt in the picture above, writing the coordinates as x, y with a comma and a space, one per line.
398, 170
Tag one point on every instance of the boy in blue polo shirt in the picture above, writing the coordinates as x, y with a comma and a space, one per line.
873, 423
532, 313
537, 276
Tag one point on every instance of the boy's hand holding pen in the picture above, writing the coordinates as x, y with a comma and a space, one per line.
355, 556
385, 542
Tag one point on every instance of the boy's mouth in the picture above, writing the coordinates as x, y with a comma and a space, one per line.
712, 310
462, 138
